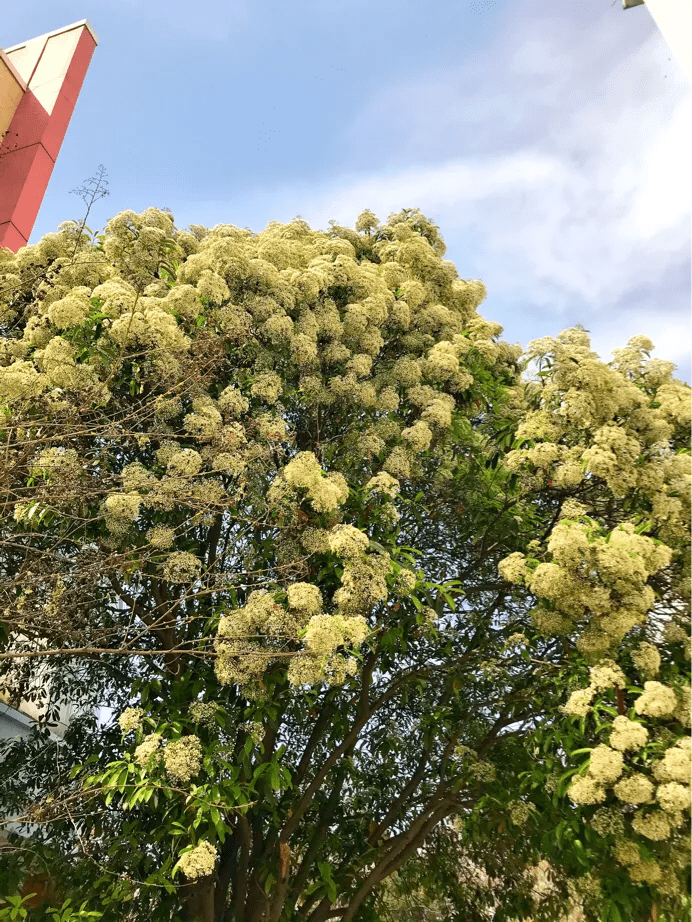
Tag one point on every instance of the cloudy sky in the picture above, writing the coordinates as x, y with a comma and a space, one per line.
547, 140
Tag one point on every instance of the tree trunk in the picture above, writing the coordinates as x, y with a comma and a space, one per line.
198, 900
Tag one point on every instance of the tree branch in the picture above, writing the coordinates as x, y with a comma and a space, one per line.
243, 867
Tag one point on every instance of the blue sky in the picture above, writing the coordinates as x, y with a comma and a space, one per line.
549, 141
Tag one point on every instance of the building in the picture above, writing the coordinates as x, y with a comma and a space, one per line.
40, 81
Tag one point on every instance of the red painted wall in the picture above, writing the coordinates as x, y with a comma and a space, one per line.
30, 148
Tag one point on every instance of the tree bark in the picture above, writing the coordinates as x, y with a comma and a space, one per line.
243, 867
198, 900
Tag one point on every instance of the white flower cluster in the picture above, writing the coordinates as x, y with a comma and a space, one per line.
325, 492
183, 758
383, 483
326, 632
181, 567
204, 712
348, 542
199, 862
305, 597
594, 578
147, 750
130, 719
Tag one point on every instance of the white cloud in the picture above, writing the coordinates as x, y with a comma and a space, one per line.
566, 169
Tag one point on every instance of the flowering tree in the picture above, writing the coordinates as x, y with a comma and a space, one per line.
352, 579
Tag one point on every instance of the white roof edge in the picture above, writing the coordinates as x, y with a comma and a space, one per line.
74, 25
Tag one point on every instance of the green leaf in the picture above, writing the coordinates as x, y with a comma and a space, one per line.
615, 913
325, 870
274, 778
260, 770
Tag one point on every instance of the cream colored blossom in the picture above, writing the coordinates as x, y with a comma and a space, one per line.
213, 286
627, 734
407, 371
326, 632
405, 582
267, 386
608, 821
673, 797
346, 541
383, 483
627, 852
232, 403
682, 712
229, 463
606, 764
513, 568
57, 360
578, 703
183, 758
147, 749
360, 365
315, 540
205, 422
136, 477
325, 491
204, 712
636, 789
441, 363
199, 862
647, 871
654, 826
186, 462
606, 674
388, 400
161, 537
549, 581
483, 770
270, 427
338, 667
363, 584
431, 616
584, 790
398, 463
675, 764
439, 413
181, 567
520, 812
657, 700
305, 597
124, 506
58, 461
647, 658
68, 312
130, 719
418, 436
305, 670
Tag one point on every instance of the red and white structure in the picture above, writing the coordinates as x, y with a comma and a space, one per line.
40, 81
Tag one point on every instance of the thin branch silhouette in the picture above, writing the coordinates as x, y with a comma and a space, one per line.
90, 196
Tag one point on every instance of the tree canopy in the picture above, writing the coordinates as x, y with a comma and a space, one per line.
356, 580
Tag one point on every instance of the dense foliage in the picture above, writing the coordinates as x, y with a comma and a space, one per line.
355, 577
